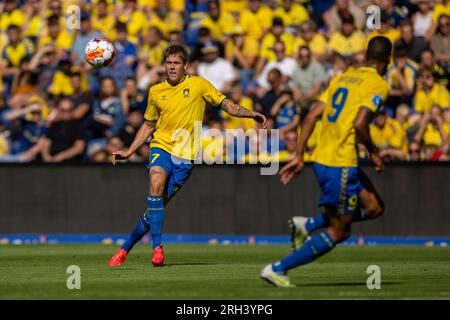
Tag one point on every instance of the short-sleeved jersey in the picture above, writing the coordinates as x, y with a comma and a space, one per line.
176, 110
346, 94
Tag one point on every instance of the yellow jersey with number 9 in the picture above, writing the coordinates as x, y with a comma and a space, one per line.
346, 94
177, 109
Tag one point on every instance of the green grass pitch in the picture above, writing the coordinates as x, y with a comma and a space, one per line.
221, 272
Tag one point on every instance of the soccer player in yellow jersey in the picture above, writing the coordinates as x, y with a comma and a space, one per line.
174, 106
346, 109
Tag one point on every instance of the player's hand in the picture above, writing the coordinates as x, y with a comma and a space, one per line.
119, 155
377, 162
261, 119
295, 166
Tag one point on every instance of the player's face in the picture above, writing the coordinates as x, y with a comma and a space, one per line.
175, 68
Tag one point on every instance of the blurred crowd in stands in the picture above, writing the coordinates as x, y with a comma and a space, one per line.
274, 56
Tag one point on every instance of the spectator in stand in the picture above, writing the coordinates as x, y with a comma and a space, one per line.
125, 62
84, 35
61, 85
242, 51
434, 134
307, 79
108, 116
204, 37
27, 126
65, 139
347, 41
132, 98
104, 20
428, 61
45, 64
389, 137
409, 42
343, 9
308, 36
414, 152
440, 42
293, 14
165, 19
256, 19
264, 105
401, 77
81, 97
266, 53
134, 19
283, 63
429, 93
422, 19
130, 129
11, 15
217, 70
219, 23
285, 113
58, 37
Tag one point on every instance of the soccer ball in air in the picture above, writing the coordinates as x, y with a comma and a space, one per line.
99, 52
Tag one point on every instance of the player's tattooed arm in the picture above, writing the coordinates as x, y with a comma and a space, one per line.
145, 131
236, 110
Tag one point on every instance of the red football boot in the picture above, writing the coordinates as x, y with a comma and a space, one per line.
118, 258
158, 256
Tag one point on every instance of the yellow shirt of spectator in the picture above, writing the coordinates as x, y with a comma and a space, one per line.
178, 108
63, 41
16, 17
254, 23
106, 25
249, 49
391, 135
392, 34
347, 46
224, 25
268, 42
293, 17
439, 10
438, 95
409, 73
174, 5
230, 6
173, 21
35, 28
346, 94
61, 84
318, 44
155, 54
432, 135
136, 24
236, 123
15, 54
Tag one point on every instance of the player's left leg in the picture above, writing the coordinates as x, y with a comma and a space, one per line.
369, 206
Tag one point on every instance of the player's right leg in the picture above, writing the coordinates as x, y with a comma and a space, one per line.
160, 167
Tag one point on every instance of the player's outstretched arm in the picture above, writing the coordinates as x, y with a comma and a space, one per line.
145, 131
236, 110
361, 124
296, 165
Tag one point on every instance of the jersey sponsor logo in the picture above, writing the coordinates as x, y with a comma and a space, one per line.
376, 100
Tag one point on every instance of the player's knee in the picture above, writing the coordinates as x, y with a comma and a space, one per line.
156, 188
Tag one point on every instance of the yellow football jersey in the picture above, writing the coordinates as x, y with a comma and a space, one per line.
343, 98
176, 110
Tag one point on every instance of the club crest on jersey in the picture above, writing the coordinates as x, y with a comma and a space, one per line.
186, 93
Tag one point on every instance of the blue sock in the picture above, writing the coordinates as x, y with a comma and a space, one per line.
312, 249
156, 214
317, 222
142, 227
